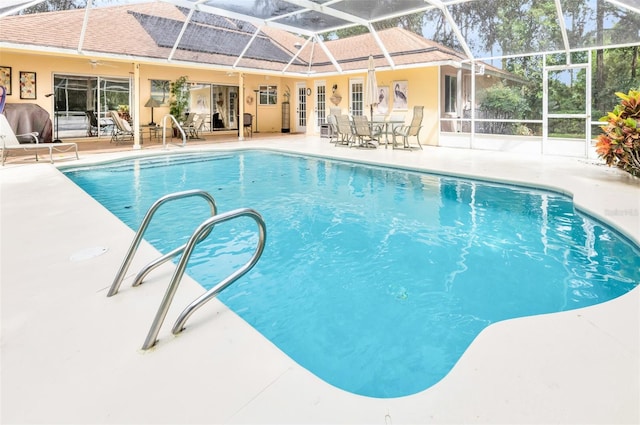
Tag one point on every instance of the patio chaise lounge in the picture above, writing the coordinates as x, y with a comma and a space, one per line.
122, 130
10, 142
194, 125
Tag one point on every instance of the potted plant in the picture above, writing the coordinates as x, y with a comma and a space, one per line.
179, 98
619, 144
123, 112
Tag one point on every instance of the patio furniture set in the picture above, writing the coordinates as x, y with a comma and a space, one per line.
121, 130
362, 132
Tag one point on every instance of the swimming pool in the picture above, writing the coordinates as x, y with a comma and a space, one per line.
375, 279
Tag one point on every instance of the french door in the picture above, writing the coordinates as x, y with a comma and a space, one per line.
356, 96
301, 108
320, 107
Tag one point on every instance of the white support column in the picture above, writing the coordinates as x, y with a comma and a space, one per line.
241, 96
136, 106
473, 105
459, 105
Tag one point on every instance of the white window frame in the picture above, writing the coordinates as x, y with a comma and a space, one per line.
267, 95
450, 93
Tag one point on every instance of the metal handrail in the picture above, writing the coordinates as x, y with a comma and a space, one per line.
155, 263
143, 227
137, 281
164, 130
198, 235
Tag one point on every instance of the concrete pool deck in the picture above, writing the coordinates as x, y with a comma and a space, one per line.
70, 355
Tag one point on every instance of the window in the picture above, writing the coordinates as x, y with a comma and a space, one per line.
450, 93
268, 95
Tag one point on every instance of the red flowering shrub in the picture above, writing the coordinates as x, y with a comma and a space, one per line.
620, 143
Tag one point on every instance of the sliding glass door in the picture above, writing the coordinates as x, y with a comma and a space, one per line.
218, 103
74, 95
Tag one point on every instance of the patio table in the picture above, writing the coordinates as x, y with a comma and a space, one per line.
152, 130
386, 125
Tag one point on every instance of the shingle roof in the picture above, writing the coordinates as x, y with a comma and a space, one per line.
149, 31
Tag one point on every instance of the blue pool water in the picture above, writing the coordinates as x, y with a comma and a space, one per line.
374, 279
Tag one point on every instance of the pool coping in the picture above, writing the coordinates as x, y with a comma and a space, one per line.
90, 370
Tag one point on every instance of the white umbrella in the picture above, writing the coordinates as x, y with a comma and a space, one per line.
371, 91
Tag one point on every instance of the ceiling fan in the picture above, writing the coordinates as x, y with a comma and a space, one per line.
95, 63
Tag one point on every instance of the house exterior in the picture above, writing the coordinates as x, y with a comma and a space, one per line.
125, 56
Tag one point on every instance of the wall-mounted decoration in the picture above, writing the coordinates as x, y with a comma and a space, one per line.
27, 85
400, 95
5, 78
383, 100
335, 97
160, 91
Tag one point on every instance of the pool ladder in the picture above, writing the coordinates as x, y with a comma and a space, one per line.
177, 126
200, 234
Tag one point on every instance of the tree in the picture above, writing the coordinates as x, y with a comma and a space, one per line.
179, 98
500, 101
412, 23
55, 5
620, 74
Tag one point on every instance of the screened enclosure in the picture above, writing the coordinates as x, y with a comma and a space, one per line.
537, 68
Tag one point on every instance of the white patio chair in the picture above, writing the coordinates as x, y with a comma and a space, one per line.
10, 142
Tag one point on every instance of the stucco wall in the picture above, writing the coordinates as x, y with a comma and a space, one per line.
422, 91
422, 87
45, 66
